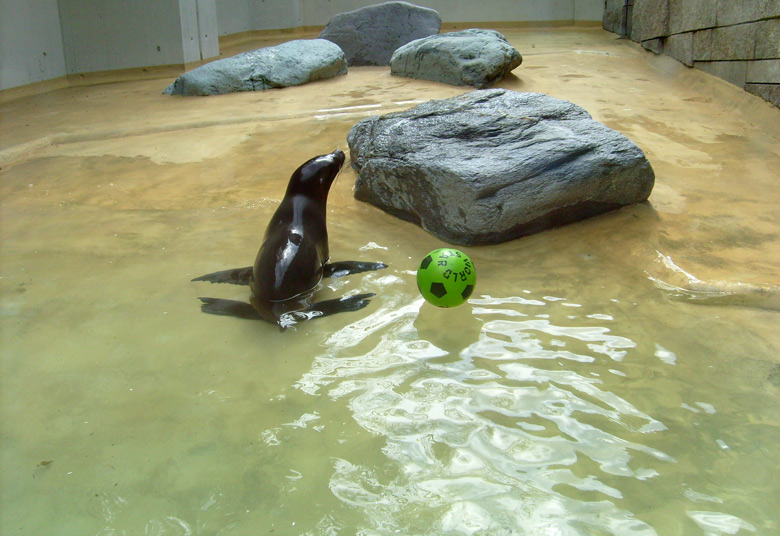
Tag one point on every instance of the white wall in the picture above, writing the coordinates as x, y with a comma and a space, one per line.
99, 35
317, 12
102, 35
205, 35
234, 16
45, 39
588, 10
273, 14
237, 16
30, 42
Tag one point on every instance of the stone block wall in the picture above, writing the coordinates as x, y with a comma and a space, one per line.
617, 16
737, 40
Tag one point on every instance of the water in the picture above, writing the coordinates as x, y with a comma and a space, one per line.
574, 394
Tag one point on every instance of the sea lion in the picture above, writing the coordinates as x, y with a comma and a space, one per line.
293, 257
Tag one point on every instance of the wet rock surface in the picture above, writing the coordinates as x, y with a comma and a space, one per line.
371, 34
289, 64
475, 57
493, 165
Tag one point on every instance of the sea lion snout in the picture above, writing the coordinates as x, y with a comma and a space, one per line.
335, 159
338, 157
316, 176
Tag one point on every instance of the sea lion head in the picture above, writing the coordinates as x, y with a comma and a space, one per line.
315, 176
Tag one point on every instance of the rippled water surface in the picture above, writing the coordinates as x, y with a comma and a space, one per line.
616, 376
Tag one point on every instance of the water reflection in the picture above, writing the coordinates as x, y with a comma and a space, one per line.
502, 436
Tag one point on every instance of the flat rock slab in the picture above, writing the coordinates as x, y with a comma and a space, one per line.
476, 58
289, 64
493, 165
371, 34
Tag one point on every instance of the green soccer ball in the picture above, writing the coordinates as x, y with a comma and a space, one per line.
446, 277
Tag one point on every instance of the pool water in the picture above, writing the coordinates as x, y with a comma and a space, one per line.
619, 375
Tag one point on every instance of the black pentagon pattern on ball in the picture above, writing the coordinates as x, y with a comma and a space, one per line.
467, 291
425, 262
438, 290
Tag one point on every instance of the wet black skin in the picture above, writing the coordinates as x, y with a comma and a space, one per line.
293, 257
295, 247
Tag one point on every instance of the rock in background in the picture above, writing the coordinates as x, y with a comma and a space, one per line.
371, 34
493, 165
289, 64
476, 58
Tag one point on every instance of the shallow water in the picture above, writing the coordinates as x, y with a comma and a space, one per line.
574, 394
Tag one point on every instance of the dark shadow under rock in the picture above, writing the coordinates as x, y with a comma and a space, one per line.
370, 35
289, 64
493, 165
476, 58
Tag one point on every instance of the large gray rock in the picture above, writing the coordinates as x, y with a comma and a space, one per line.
493, 165
468, 58
370, 35
289, 64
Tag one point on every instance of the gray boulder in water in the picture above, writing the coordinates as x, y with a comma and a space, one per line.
493, 165
289, 64
469, 58
370, 35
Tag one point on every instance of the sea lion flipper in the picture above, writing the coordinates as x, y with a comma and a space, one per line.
217, 306
234, 276
340, 269
325, 308
340, 305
